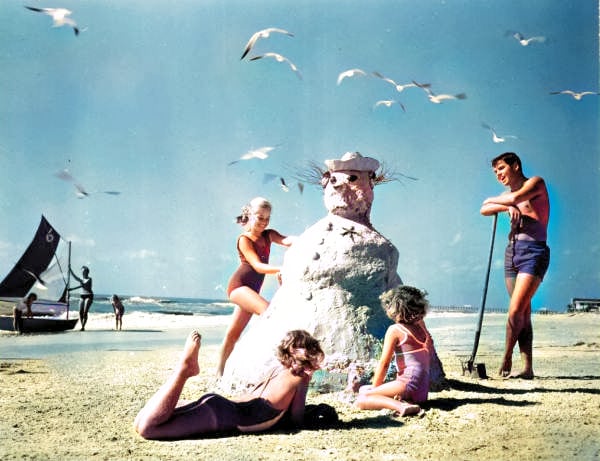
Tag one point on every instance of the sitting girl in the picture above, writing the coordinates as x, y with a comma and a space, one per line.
411, 343
284, 391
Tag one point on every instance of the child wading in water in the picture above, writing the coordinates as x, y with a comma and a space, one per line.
283, 392
411, 343
119, 311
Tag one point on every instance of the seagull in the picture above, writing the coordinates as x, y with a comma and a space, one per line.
260, 153
438, 98
65, 175
58, 15
262, 34
350, 73
279, 58
388, 103
495, 137
525, 41
576, 96
399, 87
284, 185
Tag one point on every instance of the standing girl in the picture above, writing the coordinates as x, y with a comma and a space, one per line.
119, 311
254, 247
409, 340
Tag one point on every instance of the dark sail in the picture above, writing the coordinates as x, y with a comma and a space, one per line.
34, 261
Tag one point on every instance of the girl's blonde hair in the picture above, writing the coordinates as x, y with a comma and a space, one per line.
257, 203
405, 304
299, 351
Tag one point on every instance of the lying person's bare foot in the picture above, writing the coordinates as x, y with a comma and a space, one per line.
189, 358
407, 409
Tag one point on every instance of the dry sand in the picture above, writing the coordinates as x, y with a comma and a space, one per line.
81, 406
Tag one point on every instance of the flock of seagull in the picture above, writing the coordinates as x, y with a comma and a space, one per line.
61, 17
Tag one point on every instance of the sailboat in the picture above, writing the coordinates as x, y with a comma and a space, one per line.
44, 269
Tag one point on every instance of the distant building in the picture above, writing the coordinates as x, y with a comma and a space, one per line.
584, 305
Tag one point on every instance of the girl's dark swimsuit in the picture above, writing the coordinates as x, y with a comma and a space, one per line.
213, 413
245, 275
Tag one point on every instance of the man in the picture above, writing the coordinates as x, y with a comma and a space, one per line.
23, 307
527, 256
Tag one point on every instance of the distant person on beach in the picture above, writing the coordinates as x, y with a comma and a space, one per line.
526, 257
23, 307
410, 342
86, 298
119, 311
254, 247
282, 393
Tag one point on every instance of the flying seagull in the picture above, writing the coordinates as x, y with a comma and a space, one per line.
495, 137
389, 103
284, 185
576, 96
400, 87
260, 153
350, 73
262, 34
65, 175
279, 58
58, 15
438, 98
523, 40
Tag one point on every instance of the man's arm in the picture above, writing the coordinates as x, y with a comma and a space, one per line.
530, 189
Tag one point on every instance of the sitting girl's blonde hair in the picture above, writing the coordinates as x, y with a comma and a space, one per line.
405, 304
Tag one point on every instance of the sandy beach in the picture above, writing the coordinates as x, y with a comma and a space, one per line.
80, 405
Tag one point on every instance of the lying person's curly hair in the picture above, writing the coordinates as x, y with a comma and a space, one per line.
300, 351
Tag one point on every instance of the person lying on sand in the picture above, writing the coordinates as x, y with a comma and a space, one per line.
283, 392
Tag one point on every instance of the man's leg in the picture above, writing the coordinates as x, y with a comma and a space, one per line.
518, 326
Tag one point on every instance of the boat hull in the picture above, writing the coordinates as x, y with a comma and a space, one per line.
39, 324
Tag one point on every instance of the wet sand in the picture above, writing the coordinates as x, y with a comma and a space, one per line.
80, 406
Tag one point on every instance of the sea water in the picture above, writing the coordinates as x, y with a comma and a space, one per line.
151, 323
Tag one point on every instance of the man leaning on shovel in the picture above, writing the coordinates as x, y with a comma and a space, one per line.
527, 256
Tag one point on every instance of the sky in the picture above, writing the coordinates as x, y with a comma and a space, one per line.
152, 100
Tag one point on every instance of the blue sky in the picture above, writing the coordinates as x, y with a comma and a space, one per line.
152, 100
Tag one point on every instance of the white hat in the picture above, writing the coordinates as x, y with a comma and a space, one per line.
352, 161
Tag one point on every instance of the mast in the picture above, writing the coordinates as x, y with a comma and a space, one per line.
68, 277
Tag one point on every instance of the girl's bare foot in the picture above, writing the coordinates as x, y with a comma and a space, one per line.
407, 409
189, 359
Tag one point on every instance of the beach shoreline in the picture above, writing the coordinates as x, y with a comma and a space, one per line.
81, 405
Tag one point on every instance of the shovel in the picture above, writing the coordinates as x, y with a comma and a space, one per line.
477, 370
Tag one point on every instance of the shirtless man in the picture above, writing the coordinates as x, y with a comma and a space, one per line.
527, 256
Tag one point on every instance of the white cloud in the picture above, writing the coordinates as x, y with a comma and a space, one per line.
79, 241
142, 254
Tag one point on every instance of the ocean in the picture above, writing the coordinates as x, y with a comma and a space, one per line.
150, 323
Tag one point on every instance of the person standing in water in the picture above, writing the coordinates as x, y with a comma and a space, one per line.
119, 311
86, 298
254, 247
527, 255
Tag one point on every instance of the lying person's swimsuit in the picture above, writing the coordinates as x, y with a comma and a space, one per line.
415, 375
213, 413
245, 275
527, 250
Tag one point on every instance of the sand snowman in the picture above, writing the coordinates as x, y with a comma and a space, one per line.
332, 276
